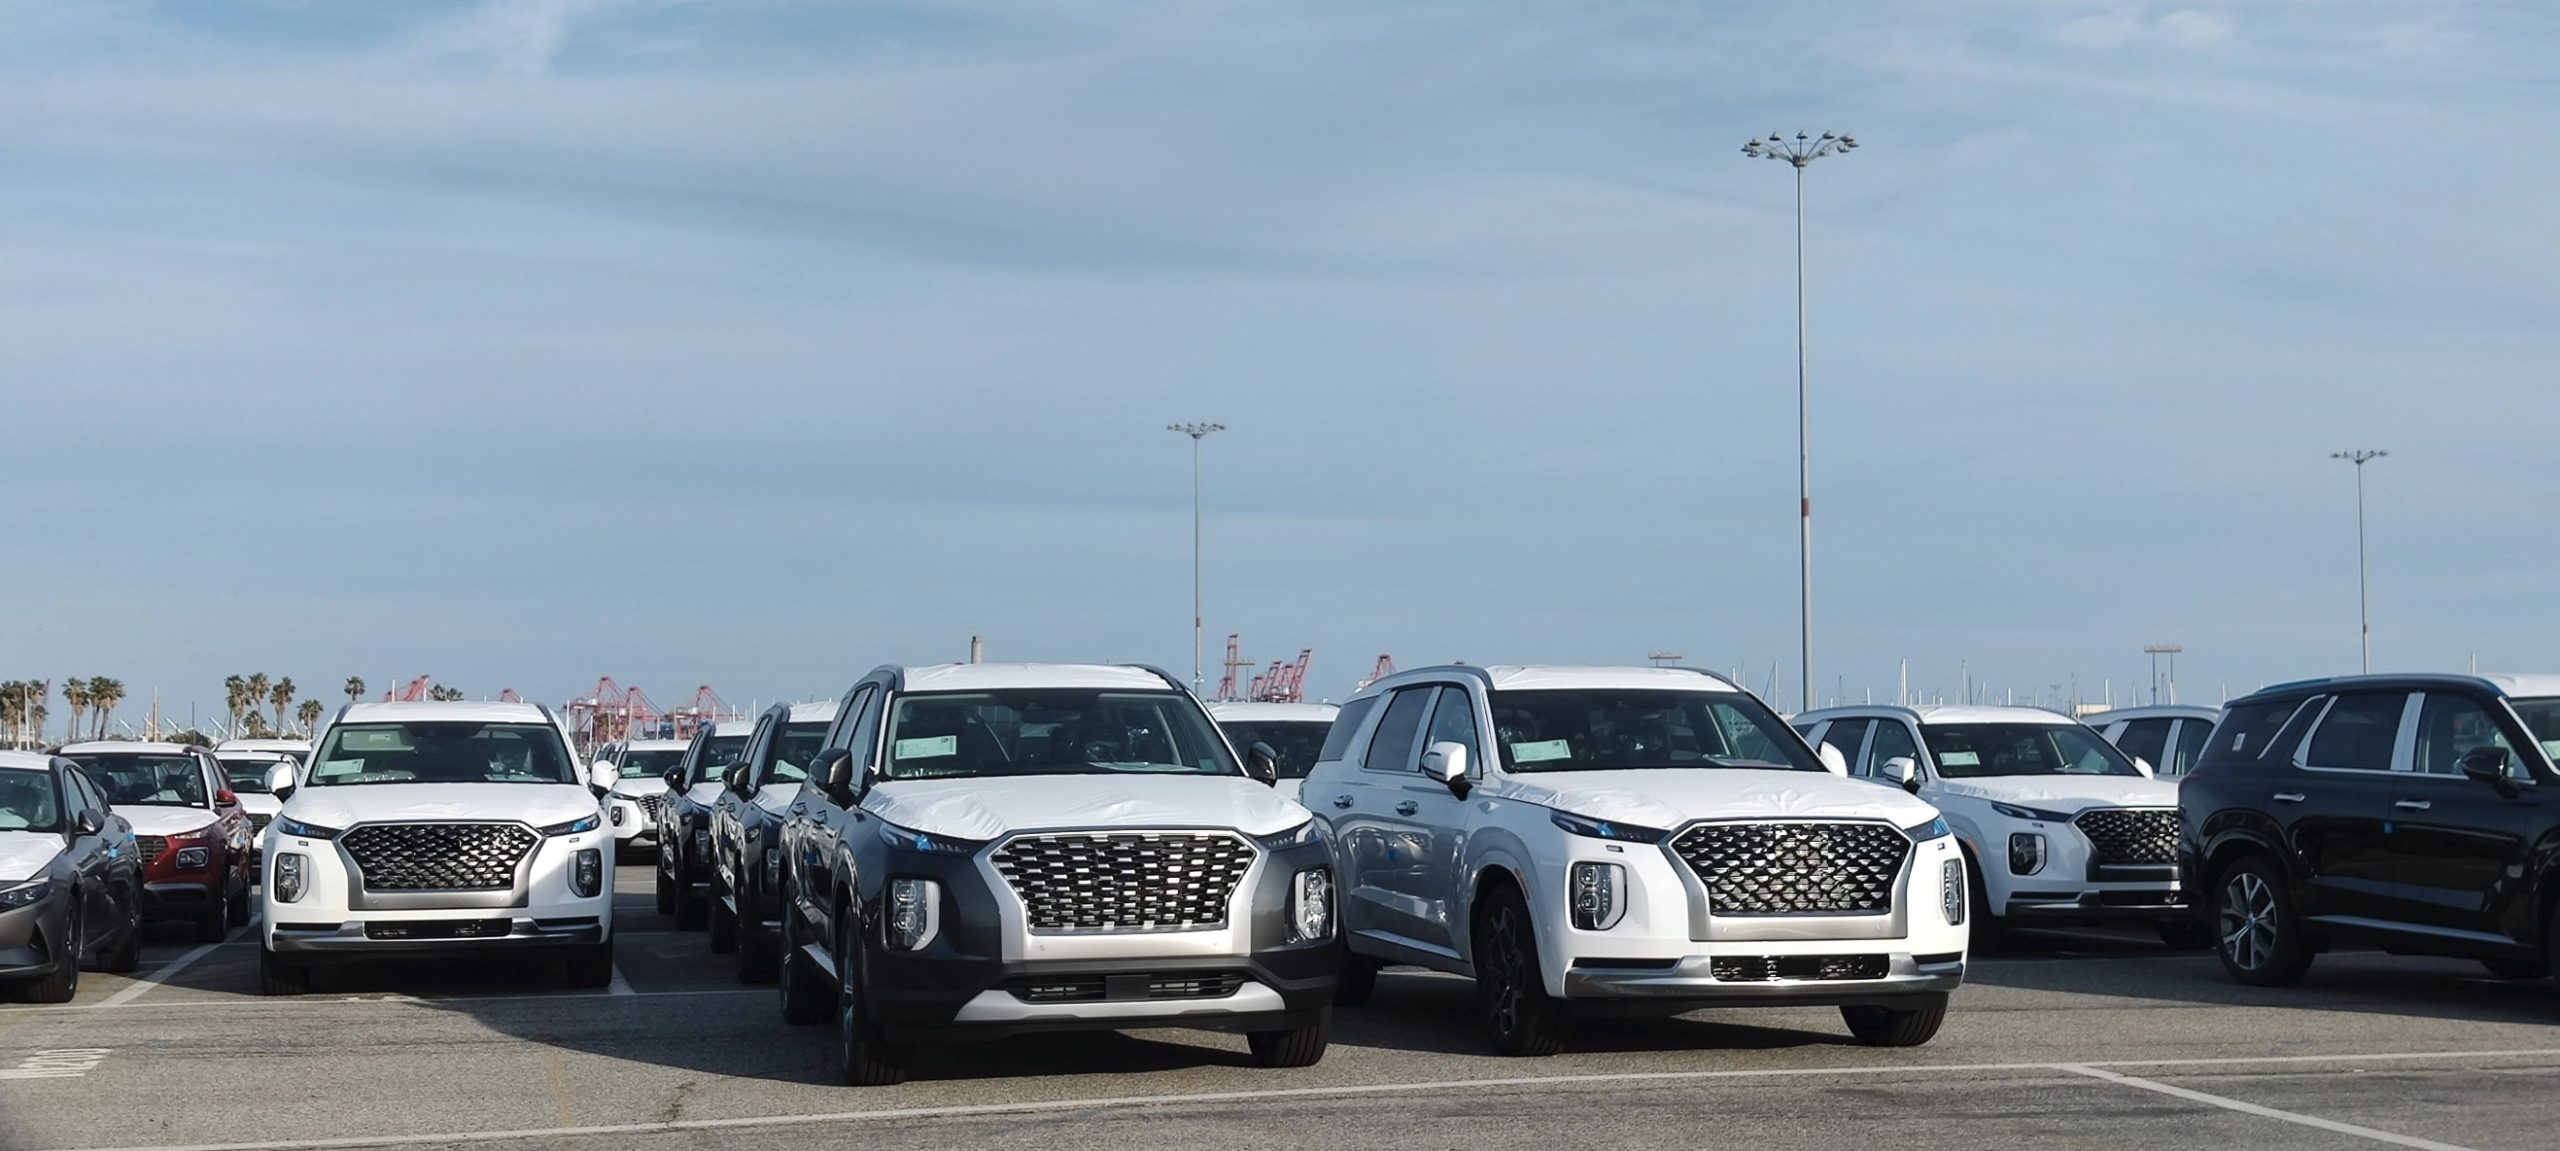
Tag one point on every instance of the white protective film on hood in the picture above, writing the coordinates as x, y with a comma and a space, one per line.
150, 820
1665, 798
634, 785
539, 804
775, 797
24, 854
985, 809
2065, 793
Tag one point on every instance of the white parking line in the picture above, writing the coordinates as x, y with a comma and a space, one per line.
2294, 1117
1352, 1090
143, 986
234, 999
618, 985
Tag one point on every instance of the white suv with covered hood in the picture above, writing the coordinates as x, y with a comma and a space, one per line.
438, 828
1595, 841
2060, 826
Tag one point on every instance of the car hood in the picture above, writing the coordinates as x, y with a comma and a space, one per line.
1665, 798
640, 785
539, 804
774, 797
2064, 793
704, 794
991, 808
150, 820
24, 854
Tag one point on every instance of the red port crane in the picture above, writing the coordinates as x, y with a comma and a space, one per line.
415, 692
1284, 682
706, 707
1237, 664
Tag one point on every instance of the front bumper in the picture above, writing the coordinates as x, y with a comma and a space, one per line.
333, 918
1693, 981
166, 899
362, 939
30, 939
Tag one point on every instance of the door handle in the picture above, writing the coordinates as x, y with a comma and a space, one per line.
1342, 801
2289, 797
1408, 807
2413, 805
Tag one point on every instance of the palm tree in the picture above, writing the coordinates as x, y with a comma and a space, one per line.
107, 693
282, 698
355, 688
75, 691
309, 714
255, 697
235, 689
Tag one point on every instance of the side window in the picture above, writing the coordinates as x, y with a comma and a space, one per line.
1848, 736
2450, 725
2358, 733
1346, 723
1892, 739
2146, 740
1453, 720
2186, 748
1392, 748
2247, 732
90, 798
863, 736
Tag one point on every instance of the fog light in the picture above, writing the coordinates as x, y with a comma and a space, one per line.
1311, 905
2026, 853
772, 869
915, 913
292, 877
1599, 895
194, 858
1951, 890
615, 815
586, 873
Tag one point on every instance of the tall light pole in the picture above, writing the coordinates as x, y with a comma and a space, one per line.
2364, 604
1197, 432
1800, 153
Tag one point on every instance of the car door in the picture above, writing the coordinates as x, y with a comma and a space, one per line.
1891, 741
2335, 805
727, 816
822, 824
1377, 855
93, 855
1849, 738
2186, 746
1433, 815
2458, 846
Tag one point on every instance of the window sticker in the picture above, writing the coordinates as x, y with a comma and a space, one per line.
2551, 747
930, 747
1959, 759
1541, 751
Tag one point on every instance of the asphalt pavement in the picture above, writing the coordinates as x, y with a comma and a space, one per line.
2085, 1039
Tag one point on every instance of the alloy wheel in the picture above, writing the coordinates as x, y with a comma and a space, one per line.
2248, 920
1502, 973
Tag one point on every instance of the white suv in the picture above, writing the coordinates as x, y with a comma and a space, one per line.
1629, 839
2059, 825
639, 799
437, 828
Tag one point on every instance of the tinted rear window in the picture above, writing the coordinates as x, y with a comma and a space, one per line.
1346, 724
2247, 728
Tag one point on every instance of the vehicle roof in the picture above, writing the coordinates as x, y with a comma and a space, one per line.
454, 711
1004, 676
733, 727
122, 746
2153, 711
28, 760
263, 745
820, 711
1935, 714
1247, 710
252, 754
1570, 677
656, 745
2525, 686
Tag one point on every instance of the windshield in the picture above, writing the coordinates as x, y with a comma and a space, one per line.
1982, 750
652, 763
2542, 717
718, 752
799, 744
246, 773
28, 801
1297, 741
432, 751
1052, 731
1612, 730
148, 780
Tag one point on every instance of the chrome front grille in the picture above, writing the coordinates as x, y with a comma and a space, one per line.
2130, 837
653, 804
150, 847
439, 856
1794, 868
1134, 881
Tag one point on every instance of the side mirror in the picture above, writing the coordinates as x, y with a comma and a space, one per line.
833, 769
2144, 766
675, 778
1262, 763
735, 778
1446, 761
87, 823
2488, 765
1903, 771
602, 775
1832, 760
224, 798
280, 781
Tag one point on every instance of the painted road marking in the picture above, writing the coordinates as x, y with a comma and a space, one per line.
143, 986
63, 1063
239, 1000
618, 985
2229, 1104
960, 1111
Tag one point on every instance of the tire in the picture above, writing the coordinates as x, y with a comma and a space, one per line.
2257, 933
213, 925
2185, 933
759, 954
280, 976
724, 924
240, 903
1359, 979
864, 1057
1520, 1018
2517, 968
666, 892
692, 908
1893, 1026
1988, 934
127, 956
63, 982
1303, 1047
806, 996
591, 965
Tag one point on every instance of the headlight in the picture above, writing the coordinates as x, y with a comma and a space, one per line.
915, 913
1934, 829
1299, 836
300, 830
927, 842
25, 894
2026, 853
1951, 893
574, 826
194, 858
292, 877
1599, 895
1603, 829
586, 873
617, 815
2014, 811
1311, 905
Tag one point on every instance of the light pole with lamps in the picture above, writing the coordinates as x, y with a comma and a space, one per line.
1197, 432
2364, 604
1800, 153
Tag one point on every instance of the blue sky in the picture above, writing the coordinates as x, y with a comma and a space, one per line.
760, 343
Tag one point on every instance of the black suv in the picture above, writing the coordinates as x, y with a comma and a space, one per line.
2408, 812
746, 822
684, 824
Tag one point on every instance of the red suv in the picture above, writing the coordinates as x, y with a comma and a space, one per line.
189, 829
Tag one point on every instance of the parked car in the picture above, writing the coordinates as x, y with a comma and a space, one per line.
2406, 812
191, 833
1293, 731
298, 749
70, 880
1591, 841
245, 773
438, 829
746, 829
684, 822
639, 799
2167, 738
2057, 826
987, 849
